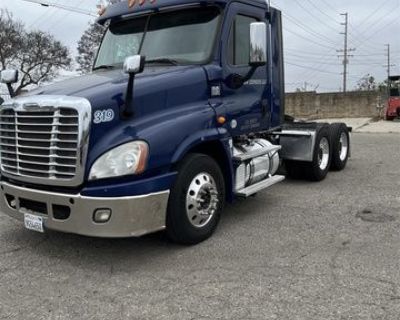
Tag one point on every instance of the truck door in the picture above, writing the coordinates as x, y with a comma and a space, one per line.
248, 107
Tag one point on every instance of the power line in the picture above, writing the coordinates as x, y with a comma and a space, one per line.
374, 12
323, 12
314, 16
311, 68
63, 7
382, 18
308, 29
308, 39
329, 6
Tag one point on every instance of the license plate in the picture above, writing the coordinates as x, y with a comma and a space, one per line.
34, 223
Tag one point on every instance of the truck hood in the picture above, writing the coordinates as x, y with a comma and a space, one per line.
165, 98
101, 82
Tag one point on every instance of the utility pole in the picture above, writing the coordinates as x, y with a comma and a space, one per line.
345, 50
389, 63
389, 66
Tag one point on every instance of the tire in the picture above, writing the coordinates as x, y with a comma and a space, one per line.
340, 141
318, 169
190, 221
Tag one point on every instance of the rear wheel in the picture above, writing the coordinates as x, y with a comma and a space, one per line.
340, 139
318, 169
196, 200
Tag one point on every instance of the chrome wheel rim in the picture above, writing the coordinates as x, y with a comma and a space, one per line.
202, 200
323, 154
344, 146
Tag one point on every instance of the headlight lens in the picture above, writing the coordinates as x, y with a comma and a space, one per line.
129, 158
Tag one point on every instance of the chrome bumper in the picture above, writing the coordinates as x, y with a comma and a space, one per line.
130, 216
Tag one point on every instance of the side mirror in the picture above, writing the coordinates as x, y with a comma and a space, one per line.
134, 64
9, 76
258, 44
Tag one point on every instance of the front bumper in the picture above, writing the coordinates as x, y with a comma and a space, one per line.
130, 216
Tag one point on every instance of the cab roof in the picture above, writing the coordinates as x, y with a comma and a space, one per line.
122, 10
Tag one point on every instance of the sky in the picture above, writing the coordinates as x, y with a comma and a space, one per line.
312, 36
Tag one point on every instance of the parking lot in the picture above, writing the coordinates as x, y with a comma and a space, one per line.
300, 250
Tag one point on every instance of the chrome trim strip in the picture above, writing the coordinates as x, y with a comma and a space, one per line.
53, 103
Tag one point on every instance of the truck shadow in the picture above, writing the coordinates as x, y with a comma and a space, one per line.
84, 252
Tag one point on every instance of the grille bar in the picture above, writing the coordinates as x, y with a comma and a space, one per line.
36, 140
47, 124
40, 163
37, 132
38, 148
21, 154
49, 172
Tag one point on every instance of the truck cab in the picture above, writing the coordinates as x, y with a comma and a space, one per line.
184, 110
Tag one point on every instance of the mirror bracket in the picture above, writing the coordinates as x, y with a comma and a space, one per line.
8, 77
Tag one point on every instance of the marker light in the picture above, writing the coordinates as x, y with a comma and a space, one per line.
101, 9
131, 3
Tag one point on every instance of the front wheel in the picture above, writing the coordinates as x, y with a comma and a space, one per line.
196, 200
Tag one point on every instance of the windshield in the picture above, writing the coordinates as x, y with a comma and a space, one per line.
185, 36
395, 88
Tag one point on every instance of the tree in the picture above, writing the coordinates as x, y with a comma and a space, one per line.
87, 47
367, 83
11, 39
36, 54
91, 38
88, 44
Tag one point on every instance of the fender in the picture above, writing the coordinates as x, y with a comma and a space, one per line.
194, 140
216, 143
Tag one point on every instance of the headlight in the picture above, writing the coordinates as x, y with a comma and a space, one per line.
129, 158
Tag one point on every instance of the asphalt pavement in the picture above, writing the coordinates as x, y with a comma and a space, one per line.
299, 250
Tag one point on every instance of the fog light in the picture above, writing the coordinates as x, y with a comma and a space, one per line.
102, 215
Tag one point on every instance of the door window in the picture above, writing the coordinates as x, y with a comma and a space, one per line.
239, 41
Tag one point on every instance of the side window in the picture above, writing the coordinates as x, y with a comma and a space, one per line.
239, 41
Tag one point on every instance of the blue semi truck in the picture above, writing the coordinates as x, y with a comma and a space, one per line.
184, 111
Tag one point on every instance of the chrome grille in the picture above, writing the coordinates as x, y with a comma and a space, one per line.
41, 143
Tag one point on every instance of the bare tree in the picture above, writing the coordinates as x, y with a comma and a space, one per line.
11, 39
87, 47
367, 83
37, 55
42, 58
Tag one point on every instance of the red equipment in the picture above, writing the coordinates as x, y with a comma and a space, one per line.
393, 110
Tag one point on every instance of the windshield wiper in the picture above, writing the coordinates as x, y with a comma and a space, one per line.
104, 66
163, 60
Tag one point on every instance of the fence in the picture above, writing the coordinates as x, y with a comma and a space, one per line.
312, 105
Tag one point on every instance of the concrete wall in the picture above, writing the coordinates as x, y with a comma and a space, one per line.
312, 105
